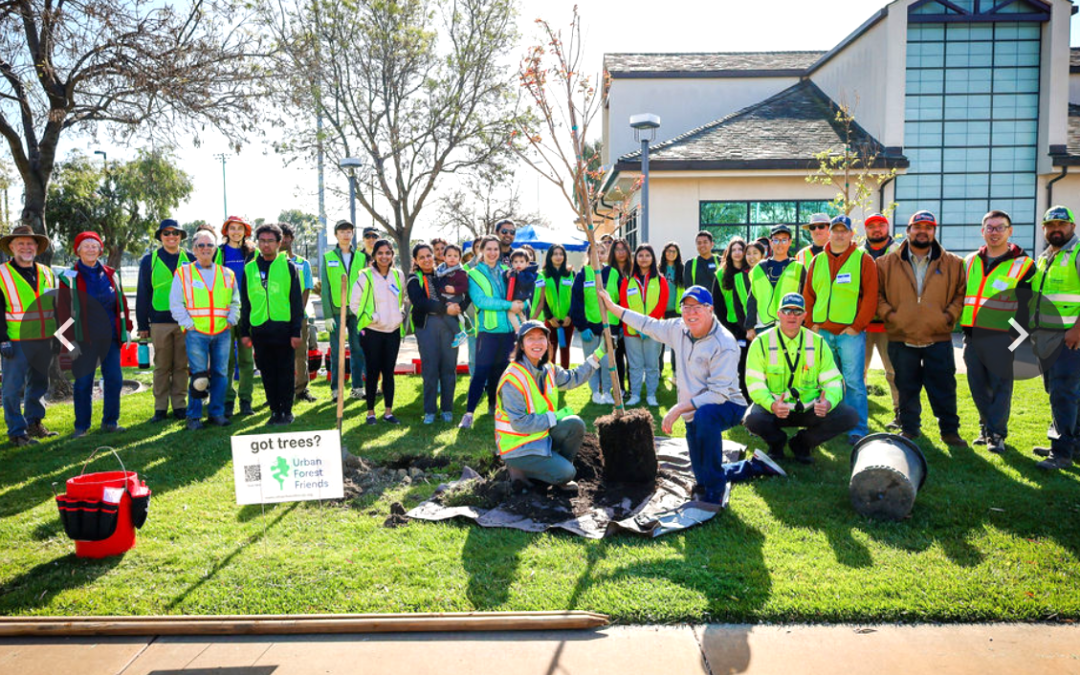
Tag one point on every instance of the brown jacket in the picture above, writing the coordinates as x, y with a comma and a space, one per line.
927, 319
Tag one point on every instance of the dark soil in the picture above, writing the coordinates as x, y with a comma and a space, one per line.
397, 516
417, 462
628, 445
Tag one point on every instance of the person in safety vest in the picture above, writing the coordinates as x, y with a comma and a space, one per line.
920, 298
645, 291
671, 268
556, 283
1055, 333
235, 251
795, 382
585, 310
155, 323
841, 300
271, 311
343, 261
818, 227
92, 296
534, 438
879, 242
709, 399
702, 269
205, 301
770, 280
998, 287
303, 268
733, 287
378, 301
27, 328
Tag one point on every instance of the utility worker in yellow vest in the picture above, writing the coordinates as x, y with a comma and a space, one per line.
794, 382
1055, 333
155, 323
343, 261
27, 327
205, 301
770, 280
588, 320
378, 301
998, 285
818, 227
841, 296
879, 242
534, 438
271, 312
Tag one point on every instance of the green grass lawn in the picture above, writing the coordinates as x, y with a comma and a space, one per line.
991, 538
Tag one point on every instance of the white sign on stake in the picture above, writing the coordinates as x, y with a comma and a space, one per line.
287, 467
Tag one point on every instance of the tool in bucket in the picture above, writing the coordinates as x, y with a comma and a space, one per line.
101, 511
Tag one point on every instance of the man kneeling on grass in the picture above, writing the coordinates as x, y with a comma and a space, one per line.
707, 376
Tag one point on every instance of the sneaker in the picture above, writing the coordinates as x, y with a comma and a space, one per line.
287, 418
953, 440
159, 416
652, 402
37, 430
245, 408
305, 396
770, 465
634, 400
333, 396
609, 399
390, 419
598, 398
448, 417
220, 421
466, 421
995, 444
21, 441
113, 428
895, 424
274, 420
194, 425
910, 435
371, 420
358, 393
1041, 451
1055, 462
982, 438
78, 433
458, 339
568, 486
429, 418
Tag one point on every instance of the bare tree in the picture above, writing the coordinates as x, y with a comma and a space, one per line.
150, 68
482, 201
412, 87
855, 170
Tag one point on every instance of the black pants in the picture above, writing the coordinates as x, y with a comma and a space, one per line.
934, 368
492, 357
275, 363
991, 388
620, 359
815, 430
380, 355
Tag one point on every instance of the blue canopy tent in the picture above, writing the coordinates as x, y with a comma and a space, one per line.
542, 238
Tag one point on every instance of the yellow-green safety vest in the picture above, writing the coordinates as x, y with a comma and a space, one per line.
768, 372
739, 293
161, 279
837, 299
209, 310
269, 303
30, 312
557, 295
589, 296
992, 307
1056, 283
334, 264
367, 299
536, 402
766, 296
642, 305
487, 319
805, 256
614, 283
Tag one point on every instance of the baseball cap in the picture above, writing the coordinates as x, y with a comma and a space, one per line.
841, 220
793, 301
818, 218
697, 293
876, 218
923, 217
529, 325
1058, 213
343, 225
777, 229
368, 231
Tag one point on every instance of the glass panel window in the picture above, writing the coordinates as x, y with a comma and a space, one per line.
773, 212
720, 213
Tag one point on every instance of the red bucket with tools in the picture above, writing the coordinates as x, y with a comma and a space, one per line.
101, 511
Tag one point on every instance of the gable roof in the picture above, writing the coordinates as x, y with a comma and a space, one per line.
784, 131
705, 65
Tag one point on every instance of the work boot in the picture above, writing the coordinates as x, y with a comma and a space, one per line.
245, 408
895, 424
1055, 462
953, 440
160, 416
799, 450
194, 425
229, 409
36, 429
911, 435
179, 413
306, 396
995, 444
1041, 451
21, 441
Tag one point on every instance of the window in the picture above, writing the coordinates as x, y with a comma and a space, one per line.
753, 220
630, 230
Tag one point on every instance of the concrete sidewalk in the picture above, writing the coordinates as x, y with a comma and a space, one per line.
633, 650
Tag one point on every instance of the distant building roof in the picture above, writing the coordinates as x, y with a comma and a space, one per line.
715, 64
1069, 155
1074, 60
784, 131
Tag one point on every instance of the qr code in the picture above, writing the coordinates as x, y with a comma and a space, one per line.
253, 473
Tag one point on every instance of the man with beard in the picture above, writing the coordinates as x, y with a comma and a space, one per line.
879, 242
921, 295
998, 283
1055, 335
506, 230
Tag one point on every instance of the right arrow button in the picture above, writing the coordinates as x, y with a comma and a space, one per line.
1023, 335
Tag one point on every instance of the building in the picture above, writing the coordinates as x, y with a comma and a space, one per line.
974, 103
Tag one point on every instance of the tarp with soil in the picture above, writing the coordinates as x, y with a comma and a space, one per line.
599, 508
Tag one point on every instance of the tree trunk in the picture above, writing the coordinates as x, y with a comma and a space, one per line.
116, 256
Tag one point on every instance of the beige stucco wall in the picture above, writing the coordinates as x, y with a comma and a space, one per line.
1054, 83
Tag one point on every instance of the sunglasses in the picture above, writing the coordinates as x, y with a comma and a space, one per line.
792, 312
371, 236
818, 226
506, 232
205, 245
170, 233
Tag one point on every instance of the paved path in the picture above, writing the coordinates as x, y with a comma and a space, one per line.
636, 650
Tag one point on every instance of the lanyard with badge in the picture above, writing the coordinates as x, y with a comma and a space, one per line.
792, 369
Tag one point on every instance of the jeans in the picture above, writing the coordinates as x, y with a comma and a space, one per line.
381, 351
600, 380
471, 342
705, 438
492, 357
26, 379
558, 467
209, 353
242, 356
1063, 377
113, 381
850, 354
933, 367
814, 430
356, 353
438, 362
643, 353
991, 393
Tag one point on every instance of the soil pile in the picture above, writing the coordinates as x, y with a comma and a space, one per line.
629, 446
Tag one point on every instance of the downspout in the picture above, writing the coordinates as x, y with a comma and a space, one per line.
881, 193
1050, 186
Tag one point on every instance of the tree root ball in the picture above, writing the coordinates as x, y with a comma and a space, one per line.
627, 446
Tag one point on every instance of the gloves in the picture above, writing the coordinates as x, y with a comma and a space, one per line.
563, 413
599, 354
331, 324
7, 349
587, 335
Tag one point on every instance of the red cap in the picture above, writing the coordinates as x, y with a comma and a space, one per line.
875, 218
83, 236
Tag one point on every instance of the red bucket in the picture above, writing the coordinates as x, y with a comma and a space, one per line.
100, 511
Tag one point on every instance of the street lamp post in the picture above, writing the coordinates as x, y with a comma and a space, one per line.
351, 164
645, 126
224, 195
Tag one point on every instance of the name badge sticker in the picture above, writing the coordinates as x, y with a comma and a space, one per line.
590, 284
631, 291
1000, 285
844, 278
197, 284
567, 282
333, 263
394, 289
71, 274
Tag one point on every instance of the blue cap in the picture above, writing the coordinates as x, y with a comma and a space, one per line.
697, 293
793, 301
1058, 213
840, 220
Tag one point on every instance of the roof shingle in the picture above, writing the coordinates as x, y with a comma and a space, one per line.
684, 64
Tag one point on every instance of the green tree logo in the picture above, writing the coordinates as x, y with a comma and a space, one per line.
279, 471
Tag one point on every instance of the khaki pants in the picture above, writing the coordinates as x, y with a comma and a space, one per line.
880, 342
170, 366
301, 359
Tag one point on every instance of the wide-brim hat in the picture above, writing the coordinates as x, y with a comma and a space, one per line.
169, 224
235, 219
23, 231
